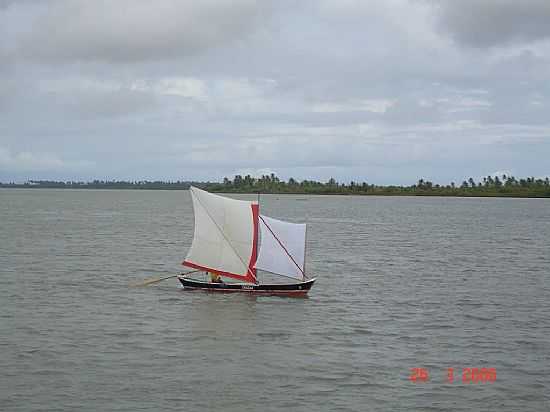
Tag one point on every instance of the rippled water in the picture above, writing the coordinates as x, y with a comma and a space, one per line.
402, 283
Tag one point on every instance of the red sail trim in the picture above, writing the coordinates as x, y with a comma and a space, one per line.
246, 278
254, 256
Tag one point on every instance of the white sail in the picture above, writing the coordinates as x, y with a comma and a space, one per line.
282, 247
225, 235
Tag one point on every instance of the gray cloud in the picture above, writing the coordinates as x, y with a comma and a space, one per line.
489, 23
134, 30
371, 91
110, 103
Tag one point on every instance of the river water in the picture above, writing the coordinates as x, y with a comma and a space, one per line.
403, 283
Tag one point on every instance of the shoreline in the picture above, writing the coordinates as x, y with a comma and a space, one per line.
397, 193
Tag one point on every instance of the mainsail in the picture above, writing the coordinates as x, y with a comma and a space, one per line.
282, 247
226, 236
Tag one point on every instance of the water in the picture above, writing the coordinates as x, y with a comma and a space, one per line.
402, 283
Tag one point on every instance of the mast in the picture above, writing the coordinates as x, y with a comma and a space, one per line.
304, 277
258, 237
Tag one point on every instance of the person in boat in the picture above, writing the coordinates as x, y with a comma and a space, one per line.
215, 278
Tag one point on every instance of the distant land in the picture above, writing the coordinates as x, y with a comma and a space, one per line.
490, 186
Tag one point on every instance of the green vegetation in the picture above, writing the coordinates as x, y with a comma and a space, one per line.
505, 186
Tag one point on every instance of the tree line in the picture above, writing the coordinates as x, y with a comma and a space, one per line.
488, 186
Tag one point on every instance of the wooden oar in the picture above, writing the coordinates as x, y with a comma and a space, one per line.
151, 281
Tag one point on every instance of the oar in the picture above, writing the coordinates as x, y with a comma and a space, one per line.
151, 281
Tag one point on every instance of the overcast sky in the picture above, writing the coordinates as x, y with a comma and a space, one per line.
383, 91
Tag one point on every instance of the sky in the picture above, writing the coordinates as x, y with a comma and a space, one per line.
380, 91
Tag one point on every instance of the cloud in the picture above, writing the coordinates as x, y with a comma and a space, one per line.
489, 23
134, 30
188, 87
36, 162
254, 172
4, 4
369, 105
200, 90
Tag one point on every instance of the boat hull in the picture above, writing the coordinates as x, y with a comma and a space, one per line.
288, 289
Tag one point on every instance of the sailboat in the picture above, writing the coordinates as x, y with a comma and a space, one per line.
233, 240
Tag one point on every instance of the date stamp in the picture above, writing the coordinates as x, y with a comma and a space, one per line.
469, 375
